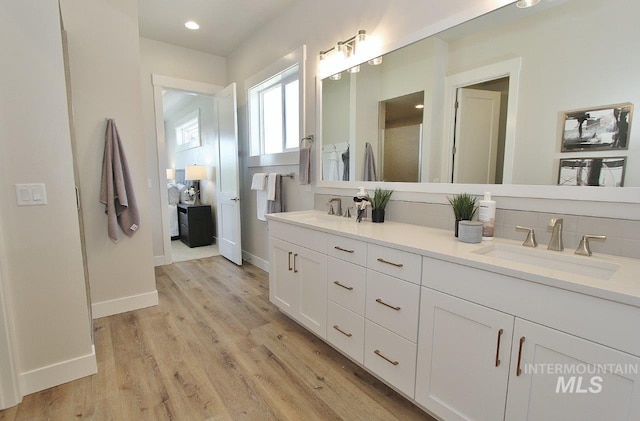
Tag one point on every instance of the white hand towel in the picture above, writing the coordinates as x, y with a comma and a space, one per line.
271, 186
259, 181
261, 204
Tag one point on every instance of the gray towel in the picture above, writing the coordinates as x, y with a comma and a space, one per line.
369, 164
345, 162
116, 189
305, 165
276, 205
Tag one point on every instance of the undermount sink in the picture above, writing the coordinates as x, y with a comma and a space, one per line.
585, 266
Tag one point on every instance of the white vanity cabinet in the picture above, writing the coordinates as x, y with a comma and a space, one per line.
298, 283
474, 360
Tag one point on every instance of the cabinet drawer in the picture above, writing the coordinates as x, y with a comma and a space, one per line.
354, 251
311, 239
393, 303
391, 357
347, 284
394, 262
345, 331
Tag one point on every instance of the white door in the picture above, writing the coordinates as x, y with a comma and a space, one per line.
228, 202
9, 394
463, 358
576, 379
476, 136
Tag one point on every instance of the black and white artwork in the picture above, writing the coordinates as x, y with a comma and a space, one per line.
602, 172
604, 128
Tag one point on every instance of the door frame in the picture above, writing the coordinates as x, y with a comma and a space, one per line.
159, 83
509, 68
9, 390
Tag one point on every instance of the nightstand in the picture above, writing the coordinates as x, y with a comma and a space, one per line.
195, 224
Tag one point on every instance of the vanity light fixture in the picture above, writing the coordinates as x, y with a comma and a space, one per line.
354, 69
192, 25
523, 4
375, 61
343, 50
336, 76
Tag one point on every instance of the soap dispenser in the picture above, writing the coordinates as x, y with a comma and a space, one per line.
487, 215
361, 200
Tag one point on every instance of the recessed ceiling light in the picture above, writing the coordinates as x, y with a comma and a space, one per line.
192, 25
420, 106
523, 4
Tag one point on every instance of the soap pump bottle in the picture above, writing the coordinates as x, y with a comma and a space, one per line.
487, 215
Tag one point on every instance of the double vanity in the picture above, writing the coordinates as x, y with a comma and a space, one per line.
485, 331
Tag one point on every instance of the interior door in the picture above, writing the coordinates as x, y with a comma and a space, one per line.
476, 136
228, 197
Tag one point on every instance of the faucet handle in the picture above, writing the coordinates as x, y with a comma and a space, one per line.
347, 213
331, 212
583, 248
530, 241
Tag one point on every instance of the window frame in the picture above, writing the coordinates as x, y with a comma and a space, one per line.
281, 72
181, 123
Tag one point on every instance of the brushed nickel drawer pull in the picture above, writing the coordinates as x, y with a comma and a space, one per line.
398, 265
378, 300
343, 286
348, 335
289, 260
379, 354
295, 270
341, 249
518, 369
498, 348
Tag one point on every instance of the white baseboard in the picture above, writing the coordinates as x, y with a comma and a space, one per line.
59, 373
158, 260
124, 304
255, 260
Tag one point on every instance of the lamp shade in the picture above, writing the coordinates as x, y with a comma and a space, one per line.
171, 174
195, 172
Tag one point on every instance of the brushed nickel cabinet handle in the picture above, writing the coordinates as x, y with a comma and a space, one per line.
348, 335
518, 369
378, 300
289, 260
343, 286
295, 270
398, 265
341, 249
379, 354
498, 348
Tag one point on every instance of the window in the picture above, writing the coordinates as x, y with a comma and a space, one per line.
275, 101
188, 131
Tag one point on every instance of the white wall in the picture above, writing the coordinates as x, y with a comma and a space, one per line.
104, 59
40, 245
169, 60
319, 26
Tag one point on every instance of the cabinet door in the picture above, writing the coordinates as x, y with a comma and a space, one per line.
563, 377
282, 285
310, 268
463, 358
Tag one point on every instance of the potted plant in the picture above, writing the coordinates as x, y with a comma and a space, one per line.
378, 203
464, 207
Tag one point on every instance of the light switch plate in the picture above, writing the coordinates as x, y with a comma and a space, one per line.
34, 194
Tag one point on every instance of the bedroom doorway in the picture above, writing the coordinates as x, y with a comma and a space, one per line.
184, 109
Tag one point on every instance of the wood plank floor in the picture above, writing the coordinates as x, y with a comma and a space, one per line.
215, 349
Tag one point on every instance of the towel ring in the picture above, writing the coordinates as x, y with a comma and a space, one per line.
308, 137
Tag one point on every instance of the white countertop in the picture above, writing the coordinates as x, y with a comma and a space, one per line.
623, 286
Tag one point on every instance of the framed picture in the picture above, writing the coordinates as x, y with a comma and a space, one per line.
605, 128
603, 172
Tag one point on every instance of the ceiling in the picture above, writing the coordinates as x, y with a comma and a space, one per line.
224, 24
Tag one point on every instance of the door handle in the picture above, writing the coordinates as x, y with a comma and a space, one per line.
77, 198
498, 348
236, 199
295, 270
343, 286
518, 369
398, 265
390, 361
289, 260
379, 301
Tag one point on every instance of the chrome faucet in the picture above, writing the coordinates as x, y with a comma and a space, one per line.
556, 236
338, 211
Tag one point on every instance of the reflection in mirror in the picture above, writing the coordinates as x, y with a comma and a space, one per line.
401, 137
569, 55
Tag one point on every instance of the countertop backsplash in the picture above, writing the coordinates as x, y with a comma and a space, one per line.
623, 236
